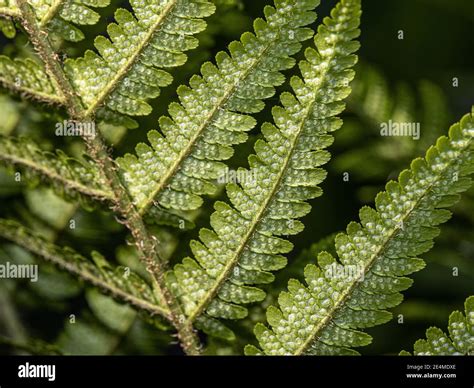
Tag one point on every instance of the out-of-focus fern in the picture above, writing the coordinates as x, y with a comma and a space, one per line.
214, 112
284, 173
460, 340
375, 102
31, 346
119, 282
12, 117
27, 77
98, 336
67, 175
374, 255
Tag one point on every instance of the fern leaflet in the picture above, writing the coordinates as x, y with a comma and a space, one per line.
213, 114
27, 77
352, 293
68, 176
460, 340
129, 68
244, 245
8, 8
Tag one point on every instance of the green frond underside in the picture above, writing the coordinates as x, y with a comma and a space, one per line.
460, 340
117, 282
8, 8
27, 77
67, 175
374, 255
46, 9
129, 68
284, 173
186, 156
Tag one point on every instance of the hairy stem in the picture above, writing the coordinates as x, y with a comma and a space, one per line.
146, 244
41, 43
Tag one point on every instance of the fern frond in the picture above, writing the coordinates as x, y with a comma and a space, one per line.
372, 97
374, 255
119, 282
9, 8
214, 112
28, 78
460, 340
67, 175
285, 172
160, 216
60, 16
128, 69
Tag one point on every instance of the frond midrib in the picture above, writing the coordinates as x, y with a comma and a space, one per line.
53, 10
143, 206
255, 222
345, 295
130, 61
260, 214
